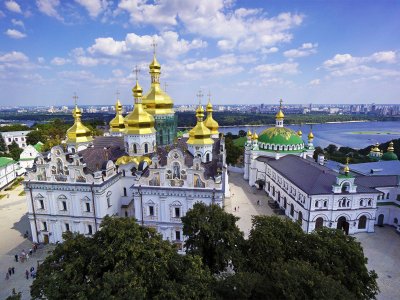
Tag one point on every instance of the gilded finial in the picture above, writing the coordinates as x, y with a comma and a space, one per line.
200, 97
154, 45
280, 104
346, 168
136, 70
117, 93
75, 97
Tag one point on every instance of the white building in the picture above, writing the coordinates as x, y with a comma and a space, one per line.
126, 175
8, 169
18, 136
29, 154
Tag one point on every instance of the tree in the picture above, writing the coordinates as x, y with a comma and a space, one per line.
233, 152
213, 235
3, 146
121, 261
15, 150
331, 148
35, 136
242, 133
318, 150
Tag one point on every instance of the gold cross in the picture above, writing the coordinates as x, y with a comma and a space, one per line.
117, 93
137, 71
209, 96
280, 103
154, 45
200, 96
75, 97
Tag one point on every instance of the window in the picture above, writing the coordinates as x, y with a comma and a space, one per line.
134, 148
44, 226
87, 207
319, 223
151, 210
207, 157
397, 198
41, 204
64, 205
125, 191
395, 221
325, 203
126, 214
362, 222
369, 202
16, 139
108, 202
379, 197
66, 227
9, 139
316, 203
361, 202
300, 218
387, 196
292, 209
177, 212
177, 235
146, 148
90, 230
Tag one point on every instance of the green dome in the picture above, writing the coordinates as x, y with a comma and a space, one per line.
389, 156
280, 136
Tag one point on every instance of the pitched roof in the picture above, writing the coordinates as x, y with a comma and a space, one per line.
4, 161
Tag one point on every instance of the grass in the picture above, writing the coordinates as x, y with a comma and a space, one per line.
15, 184
22, 193
2, 196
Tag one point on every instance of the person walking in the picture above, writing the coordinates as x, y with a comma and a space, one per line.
13, 269
27, 274
7, 276
9, 271
16, 257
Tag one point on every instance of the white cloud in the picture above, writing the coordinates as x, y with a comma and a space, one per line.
13, 57
269, 50
18, 23
13, 6
243, 29
15, 34
168, 43
49, 8
315, 82
87, 61
304, 50
118, 73
364, 67
94, 7
268, 70
41, 60
59, 61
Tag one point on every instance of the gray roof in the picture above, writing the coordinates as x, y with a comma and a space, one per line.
389, 167
377, 180
309, 176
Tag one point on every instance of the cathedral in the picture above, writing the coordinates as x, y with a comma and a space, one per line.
279, 162
140, 170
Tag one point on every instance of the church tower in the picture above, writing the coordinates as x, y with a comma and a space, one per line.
79, 137
160, 106
117, 125
139, 135
200, 143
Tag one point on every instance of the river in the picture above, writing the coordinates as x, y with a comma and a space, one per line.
353, 134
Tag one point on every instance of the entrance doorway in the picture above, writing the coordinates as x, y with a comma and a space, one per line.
381, 217
342, 224
45, 239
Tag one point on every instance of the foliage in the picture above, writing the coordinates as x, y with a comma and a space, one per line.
35, 136
14, 150
14, 127
318, 150
213, 235
233, 152
242, 133
121, 261
3, 146
331, 149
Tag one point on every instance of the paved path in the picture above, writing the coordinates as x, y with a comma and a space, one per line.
13, 224
245, 198
383, 251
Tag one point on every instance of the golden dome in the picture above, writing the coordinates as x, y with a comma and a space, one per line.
310, 135
156, 101
390, 148
299, 133
254, 136
209, 121
279, 115
249, 133
139, 121
200, 134
78, 133
376, 148
117, 124
346, 168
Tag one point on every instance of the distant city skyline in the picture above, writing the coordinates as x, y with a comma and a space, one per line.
242, 52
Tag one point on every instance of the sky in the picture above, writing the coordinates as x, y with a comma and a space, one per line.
239, 52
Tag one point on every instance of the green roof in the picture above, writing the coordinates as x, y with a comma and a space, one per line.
4, 161
280, 136
38, 146
389, 156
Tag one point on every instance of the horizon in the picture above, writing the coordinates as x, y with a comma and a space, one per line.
342, 51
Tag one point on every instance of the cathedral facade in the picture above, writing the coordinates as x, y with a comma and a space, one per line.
141, 170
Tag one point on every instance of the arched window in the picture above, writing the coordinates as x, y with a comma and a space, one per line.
387, 196
292, 209
395, 221
319, 223
207, 157
369, 202
362, 222
325, 203
284, 202
300, 218
134, 148
361, 202
146, 148
316, 203
345, 187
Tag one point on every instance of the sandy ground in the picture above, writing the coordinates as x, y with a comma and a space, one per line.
13, 224
382, 248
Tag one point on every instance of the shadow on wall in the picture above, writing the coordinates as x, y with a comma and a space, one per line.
23, 226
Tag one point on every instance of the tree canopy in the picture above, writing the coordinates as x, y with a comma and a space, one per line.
212, 234
14, 150
121, 261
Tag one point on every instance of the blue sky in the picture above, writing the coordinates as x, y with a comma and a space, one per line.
241, 51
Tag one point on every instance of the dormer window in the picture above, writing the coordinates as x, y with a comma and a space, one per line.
346, 187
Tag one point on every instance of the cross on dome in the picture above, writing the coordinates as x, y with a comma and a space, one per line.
154, 45
200, 96
136, 70
75, 97
117, 93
